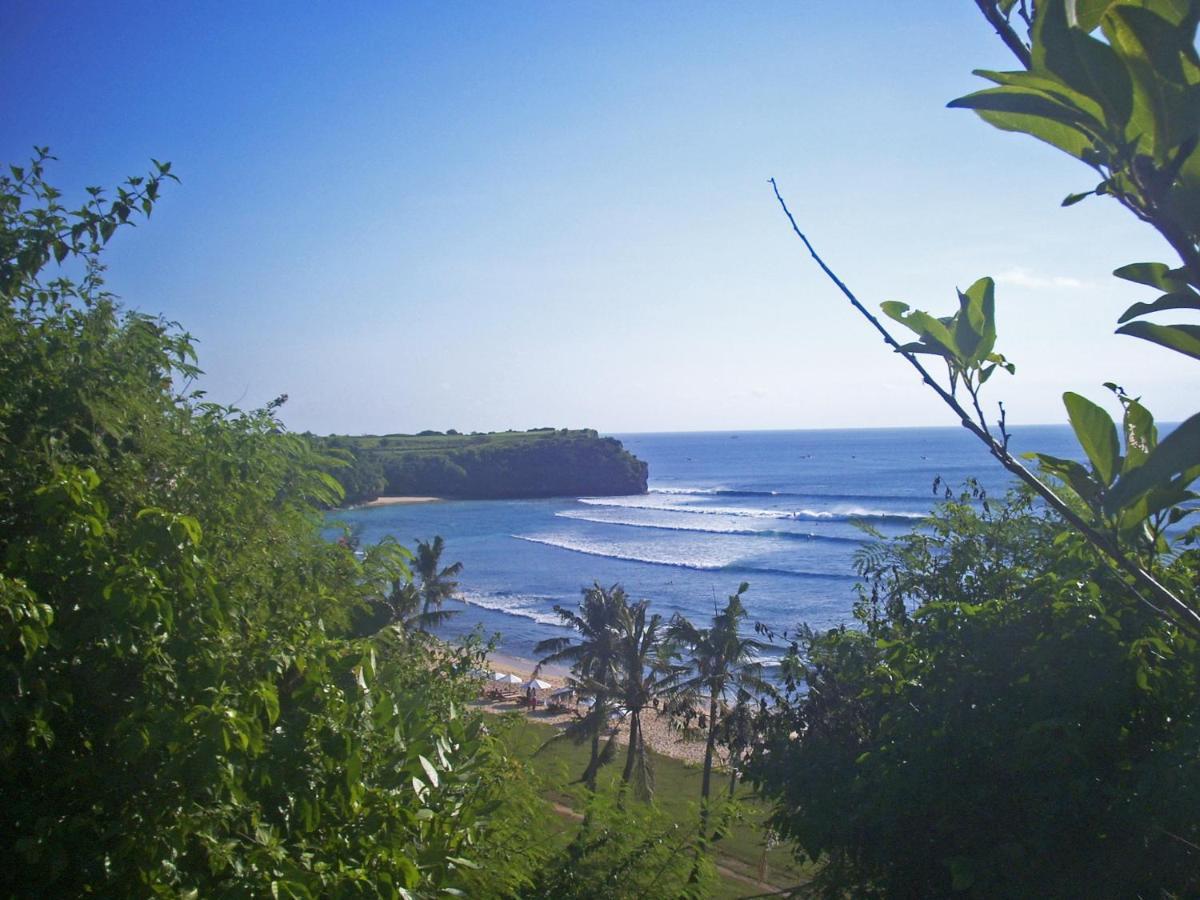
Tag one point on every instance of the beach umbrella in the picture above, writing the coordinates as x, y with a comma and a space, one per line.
563, 692
506, 678
537, 684
589, 702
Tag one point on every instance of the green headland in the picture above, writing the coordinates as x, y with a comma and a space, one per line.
542, 462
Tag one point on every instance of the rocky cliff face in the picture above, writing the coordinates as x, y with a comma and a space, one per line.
542, 463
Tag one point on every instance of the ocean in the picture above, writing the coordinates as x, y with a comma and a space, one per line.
776, 509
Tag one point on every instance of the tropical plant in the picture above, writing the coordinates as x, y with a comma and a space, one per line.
647, 675
724, 665
185, 710
400, 607
1123, 103
596, 660
437, 584
999, 722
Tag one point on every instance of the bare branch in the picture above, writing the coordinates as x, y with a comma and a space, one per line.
1175, 608
1007, 33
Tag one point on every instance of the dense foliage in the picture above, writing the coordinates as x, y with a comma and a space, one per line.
1003, 722
623, 853
1016, 712
539, 463
185, 708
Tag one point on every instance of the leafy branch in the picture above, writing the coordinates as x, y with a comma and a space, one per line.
975, 324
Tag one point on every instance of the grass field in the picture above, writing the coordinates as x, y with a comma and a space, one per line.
677, 793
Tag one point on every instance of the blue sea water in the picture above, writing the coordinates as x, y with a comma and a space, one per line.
777, 509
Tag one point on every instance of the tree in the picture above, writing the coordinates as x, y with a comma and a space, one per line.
724, 663
1123, 104
400, 606
999, 723
437, 585
596, 659
999, 664
647, 674
185, 709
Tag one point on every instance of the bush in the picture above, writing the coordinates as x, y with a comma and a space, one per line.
1004, 721
184, 710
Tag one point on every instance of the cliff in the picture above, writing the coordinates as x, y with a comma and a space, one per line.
511, 464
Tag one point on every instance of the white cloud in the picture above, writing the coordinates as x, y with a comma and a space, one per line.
1024, 278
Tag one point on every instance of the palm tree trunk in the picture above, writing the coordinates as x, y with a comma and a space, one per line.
590, 781
635, 736
709, 747
600, 711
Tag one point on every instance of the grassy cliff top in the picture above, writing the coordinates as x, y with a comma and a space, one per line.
441, 442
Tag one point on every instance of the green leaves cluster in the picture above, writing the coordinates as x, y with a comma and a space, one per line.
999, 722
966, 340
1116, 84
1125, 102
186, 708
1140, 493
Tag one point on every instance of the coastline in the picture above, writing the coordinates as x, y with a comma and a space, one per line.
396, 501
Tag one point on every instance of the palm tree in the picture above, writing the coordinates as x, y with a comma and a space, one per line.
595, 658
646, 674
404, 602
723, 662
436, 586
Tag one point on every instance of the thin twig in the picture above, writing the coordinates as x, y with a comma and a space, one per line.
1180, 611
1003, 28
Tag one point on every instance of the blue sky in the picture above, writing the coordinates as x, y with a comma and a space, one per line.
495, 215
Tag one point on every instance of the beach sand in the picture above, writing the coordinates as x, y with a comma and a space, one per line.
660, 734
396, 501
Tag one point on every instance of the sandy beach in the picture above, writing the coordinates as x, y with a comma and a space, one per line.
397, 501
660, 734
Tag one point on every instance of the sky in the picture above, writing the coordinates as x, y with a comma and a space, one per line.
510, 215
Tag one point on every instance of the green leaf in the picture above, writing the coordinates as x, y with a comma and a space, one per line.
430, 771
1025, 101
1187, 299
1071, 473
1038, 117
1184, 339
1051, 87
976, 321
1150, 47
1086, 14
1141, 435
1154, 274
1072, 199
1176, 455
1083, 62
935, 336
1096, 433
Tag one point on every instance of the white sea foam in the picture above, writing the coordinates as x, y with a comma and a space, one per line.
712, 528
514, 605
841, 514
707, 562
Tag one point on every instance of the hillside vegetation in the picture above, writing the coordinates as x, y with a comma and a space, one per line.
543, 462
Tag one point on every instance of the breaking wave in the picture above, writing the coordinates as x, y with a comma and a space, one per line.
700, 529
522, 605
848, 514
700, 565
